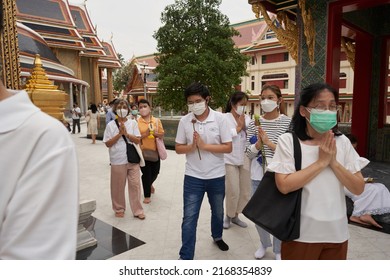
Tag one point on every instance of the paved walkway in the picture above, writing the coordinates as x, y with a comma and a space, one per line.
161, 229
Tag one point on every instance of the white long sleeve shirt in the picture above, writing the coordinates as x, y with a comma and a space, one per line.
39, 188
237, 156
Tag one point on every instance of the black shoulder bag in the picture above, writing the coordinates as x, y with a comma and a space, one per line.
132, 154
277, 213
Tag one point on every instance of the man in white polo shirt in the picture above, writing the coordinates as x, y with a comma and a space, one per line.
203, 137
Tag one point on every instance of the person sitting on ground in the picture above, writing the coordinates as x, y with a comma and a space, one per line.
375, 199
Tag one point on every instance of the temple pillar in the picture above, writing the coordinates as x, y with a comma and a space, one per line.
110, 86
362, 90
10, 66
313, 73
97, 93
85, 95
71, 101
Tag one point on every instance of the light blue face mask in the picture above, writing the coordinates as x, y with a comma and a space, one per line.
322, 121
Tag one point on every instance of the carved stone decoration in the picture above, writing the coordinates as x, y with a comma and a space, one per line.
350, 50
287, 33
43, 93
85, 238
10, 46
309, 29
256, 10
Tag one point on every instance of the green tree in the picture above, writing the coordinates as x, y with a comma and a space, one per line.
123, 75
195, 44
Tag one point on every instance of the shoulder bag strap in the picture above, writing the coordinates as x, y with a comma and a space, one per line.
124, 138
297, 152
156, 122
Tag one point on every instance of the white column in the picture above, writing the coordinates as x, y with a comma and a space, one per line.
71, 101
85, 98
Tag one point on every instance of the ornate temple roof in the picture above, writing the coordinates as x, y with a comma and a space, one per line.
85, 27
53, 22
32, 43
111, 60
250, 32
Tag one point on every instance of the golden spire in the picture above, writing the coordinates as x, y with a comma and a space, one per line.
43, 93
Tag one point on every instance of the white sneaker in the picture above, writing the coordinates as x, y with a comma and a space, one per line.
238, 222
278, 257
260, 253
226, 222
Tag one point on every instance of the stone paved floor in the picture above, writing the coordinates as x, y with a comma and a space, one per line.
161, 229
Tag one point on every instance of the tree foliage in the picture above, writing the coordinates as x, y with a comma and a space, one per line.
123, 75
195, 44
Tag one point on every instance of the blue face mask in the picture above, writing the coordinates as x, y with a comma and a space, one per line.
134, 112
322, 121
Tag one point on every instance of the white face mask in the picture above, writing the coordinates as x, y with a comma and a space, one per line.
268, 105
122, 112
197, 108
240, 110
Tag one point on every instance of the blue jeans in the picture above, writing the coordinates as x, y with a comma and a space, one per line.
194, 190
265, 237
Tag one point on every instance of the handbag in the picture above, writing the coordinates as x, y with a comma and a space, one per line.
277, 213
132, 154
162, 151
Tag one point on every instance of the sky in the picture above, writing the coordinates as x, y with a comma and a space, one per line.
132, 23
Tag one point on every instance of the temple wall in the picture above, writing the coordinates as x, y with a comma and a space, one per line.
69, 58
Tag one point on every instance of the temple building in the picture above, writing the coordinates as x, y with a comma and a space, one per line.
295, 43
346, 44
270, 63
72, 55
143, 82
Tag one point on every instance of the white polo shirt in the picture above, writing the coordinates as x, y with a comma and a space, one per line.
213, 130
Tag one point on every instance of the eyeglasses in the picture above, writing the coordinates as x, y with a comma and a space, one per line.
322, 108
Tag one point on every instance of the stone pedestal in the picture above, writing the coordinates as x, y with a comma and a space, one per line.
84, 237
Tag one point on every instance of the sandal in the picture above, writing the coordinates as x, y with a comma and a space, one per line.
140, 216
119, 214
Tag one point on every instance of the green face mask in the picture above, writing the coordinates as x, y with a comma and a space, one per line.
134, 112
322, 121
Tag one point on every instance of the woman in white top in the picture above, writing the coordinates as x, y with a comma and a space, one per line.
121, 169
262, 137
237, 185
93, 122
329, 162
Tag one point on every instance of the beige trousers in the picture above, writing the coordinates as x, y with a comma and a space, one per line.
119, 174
237, 189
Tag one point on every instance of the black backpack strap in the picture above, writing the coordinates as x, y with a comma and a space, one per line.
297, 152
124, 138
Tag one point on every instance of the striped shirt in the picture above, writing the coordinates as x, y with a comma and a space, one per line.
274, 128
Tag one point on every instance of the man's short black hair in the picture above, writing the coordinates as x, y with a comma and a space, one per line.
196, 88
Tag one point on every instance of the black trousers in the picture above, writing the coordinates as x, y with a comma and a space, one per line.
149, 174
76, 122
